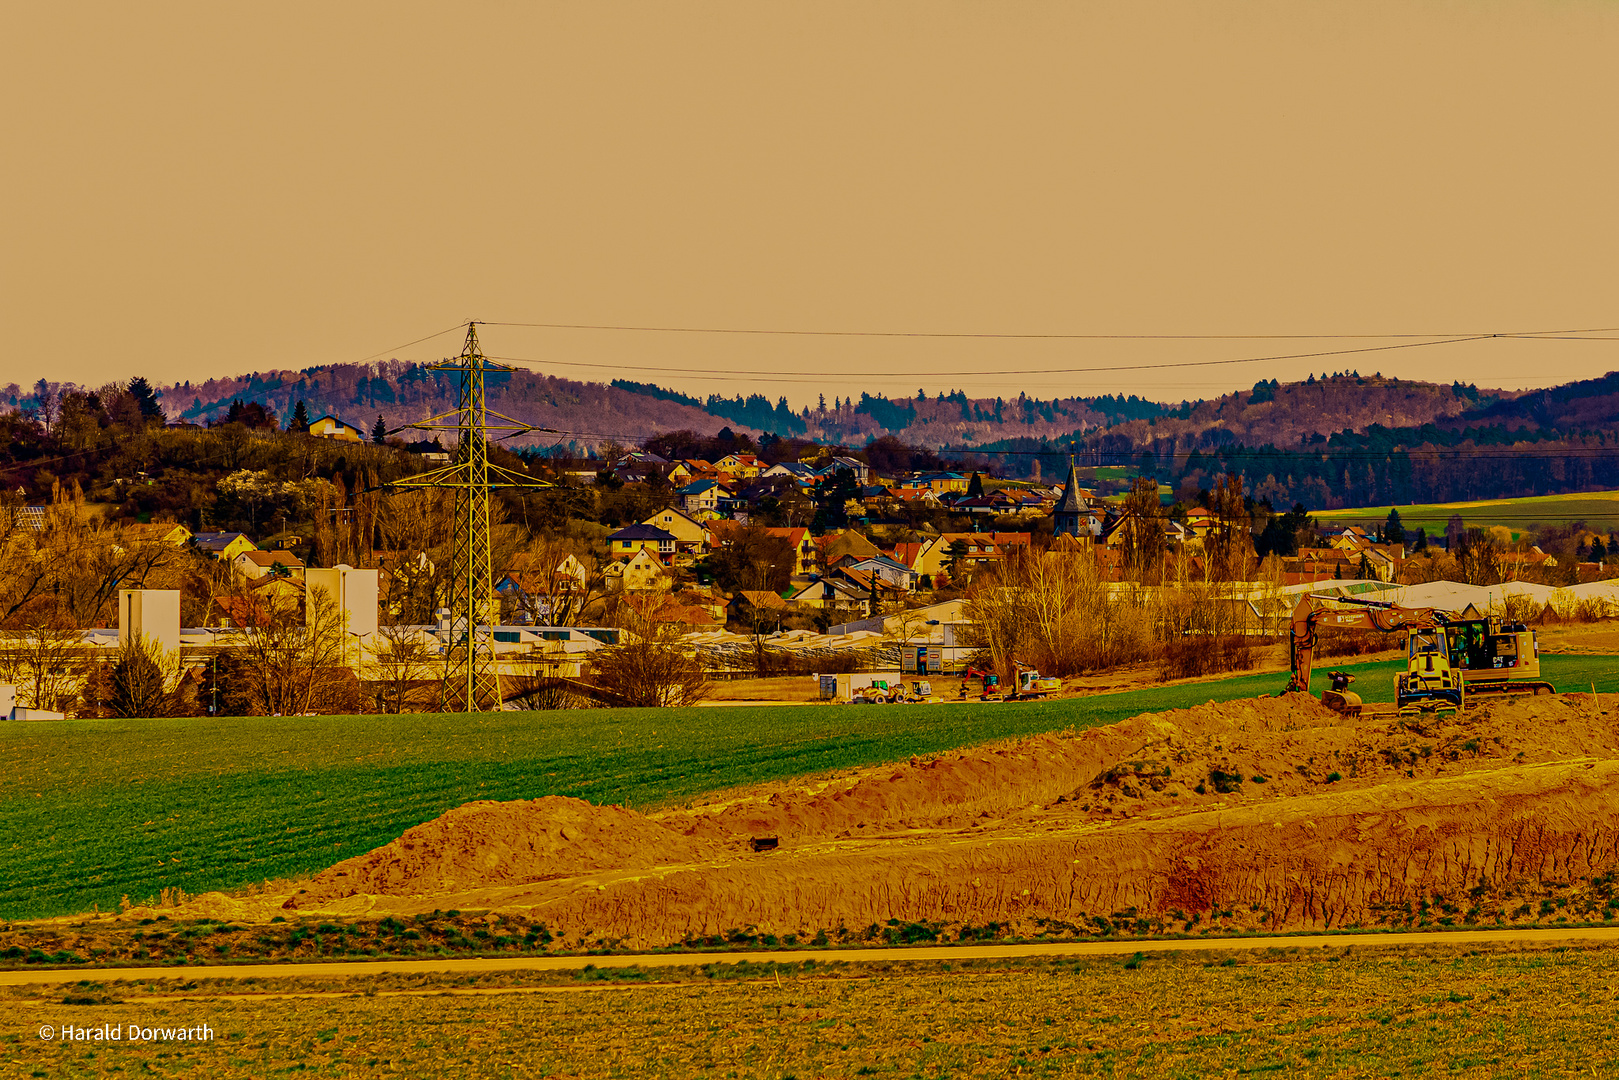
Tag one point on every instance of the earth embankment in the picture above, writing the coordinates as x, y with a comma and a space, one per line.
1272, 813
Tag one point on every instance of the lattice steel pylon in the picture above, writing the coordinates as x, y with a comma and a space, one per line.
471, 680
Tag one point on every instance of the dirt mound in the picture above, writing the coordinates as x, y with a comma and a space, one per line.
960, 787
493, 843
1271, 810
1486, 841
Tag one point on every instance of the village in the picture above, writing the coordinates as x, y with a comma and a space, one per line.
894, 592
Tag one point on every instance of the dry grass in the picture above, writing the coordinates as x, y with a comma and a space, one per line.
1337, 1012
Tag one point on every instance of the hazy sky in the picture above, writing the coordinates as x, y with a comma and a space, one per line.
203, 189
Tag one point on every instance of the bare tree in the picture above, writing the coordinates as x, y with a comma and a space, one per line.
1143, 531
399, 661
46, 661
649, 667
286, 665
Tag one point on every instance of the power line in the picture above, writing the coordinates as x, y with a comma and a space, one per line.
408, 344
1020, 337
731, 375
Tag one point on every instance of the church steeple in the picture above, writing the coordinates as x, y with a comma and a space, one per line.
1071, 509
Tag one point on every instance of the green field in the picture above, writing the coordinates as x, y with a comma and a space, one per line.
1599, 509
98, 809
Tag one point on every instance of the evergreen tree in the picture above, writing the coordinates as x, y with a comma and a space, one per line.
145, 397
379, 430
975, 486
300, 417
1393, 529
1598, 552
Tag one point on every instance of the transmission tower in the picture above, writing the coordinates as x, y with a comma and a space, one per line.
471, 681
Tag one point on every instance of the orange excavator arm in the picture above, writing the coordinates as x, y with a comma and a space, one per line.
1311, 616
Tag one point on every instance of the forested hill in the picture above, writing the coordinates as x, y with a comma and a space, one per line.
588, 413
401, 392
1292, 415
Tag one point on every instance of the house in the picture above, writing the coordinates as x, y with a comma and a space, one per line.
626, 542
910, 554
701, 495
642, 572
534, 592
164, 532
1200, 524
833, 546
913, 493
803, 547
890, 570
1525, 560
686, 470
223, 545
861, 471
278, 591
330, 427
833, 594
797, 471
256, 564
766, 607
746, 466
941, 482
975, 549
691, 536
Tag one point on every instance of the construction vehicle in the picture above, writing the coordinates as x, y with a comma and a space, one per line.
991, 688
1031, 685
1448, 656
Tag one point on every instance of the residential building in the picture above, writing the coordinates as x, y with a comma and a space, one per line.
701, 495
158, 532
803, 545
976, 549
256, 564
833, 594
888, 569
330, 427
691, 536
743, 466
223, 545
624, 543
642, 572
796, 470
941, 482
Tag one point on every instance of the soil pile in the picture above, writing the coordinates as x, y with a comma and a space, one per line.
1261, 812
492, 843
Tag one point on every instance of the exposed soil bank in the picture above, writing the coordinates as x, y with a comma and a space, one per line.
1255, 813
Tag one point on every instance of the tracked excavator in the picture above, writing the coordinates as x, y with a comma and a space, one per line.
1448, 656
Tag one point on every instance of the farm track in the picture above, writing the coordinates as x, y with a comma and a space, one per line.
1594, 935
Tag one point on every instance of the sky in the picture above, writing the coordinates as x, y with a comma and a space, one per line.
204, 189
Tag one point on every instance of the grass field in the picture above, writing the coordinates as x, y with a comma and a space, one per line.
95, 810
1345, 1012
1598, 509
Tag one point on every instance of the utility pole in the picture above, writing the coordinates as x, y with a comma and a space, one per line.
471, 681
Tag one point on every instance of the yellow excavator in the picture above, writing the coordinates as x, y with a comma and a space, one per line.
1448, 656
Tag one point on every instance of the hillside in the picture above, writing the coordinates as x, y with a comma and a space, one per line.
1270, 414
587, 413
1289, 414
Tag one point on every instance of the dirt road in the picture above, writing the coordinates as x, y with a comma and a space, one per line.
1595, 935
